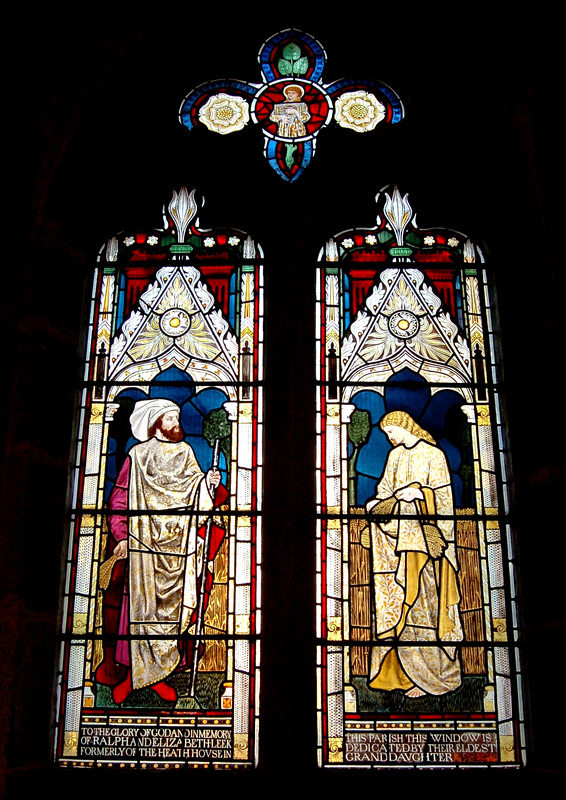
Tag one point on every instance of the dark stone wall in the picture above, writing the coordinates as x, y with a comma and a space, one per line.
94, 146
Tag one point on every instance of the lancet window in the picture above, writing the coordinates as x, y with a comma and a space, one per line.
159, 660
418, 656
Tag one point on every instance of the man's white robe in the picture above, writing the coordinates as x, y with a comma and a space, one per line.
164, 558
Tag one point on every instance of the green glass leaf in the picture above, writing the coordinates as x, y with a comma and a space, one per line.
292, 51
301, 66
285, 67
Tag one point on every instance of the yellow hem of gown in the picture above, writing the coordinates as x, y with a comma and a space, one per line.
391, 675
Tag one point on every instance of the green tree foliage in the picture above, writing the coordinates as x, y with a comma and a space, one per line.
217, 426
359, 429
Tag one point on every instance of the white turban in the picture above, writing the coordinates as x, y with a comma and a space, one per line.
146, 412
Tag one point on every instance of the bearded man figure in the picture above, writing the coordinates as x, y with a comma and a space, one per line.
168, 499
414, 566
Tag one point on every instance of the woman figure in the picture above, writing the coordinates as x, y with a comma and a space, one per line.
414, 565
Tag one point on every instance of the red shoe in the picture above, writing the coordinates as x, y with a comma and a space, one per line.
165, 691
120, 692
109, 673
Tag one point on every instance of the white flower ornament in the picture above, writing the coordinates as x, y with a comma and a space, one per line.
360, 111
224, 113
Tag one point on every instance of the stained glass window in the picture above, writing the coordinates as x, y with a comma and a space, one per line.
418, 657
159, 662
292, 104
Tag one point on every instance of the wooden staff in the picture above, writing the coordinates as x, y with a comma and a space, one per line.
202, 593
